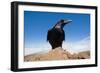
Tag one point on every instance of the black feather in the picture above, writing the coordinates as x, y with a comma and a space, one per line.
56, 35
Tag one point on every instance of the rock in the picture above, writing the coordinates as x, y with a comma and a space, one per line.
84, 55
57, 54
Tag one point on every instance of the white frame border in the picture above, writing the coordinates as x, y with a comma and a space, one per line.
22, 64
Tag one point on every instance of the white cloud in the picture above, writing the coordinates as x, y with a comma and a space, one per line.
81, 45
38, 48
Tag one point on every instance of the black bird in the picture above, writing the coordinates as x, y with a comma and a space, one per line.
56, 35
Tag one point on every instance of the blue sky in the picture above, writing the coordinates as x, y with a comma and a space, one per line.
36, 25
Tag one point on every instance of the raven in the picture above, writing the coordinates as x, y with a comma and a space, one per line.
56, 35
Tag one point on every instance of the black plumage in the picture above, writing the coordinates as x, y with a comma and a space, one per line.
56, 35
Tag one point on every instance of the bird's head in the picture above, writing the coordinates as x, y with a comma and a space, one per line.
62, 23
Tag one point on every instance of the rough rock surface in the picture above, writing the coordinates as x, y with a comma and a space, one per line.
57, 54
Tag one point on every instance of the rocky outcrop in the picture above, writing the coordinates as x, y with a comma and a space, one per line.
57, 54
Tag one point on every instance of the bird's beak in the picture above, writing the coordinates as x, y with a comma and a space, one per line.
67, 21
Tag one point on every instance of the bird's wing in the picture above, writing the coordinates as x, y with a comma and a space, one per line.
63, 35
48, 35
